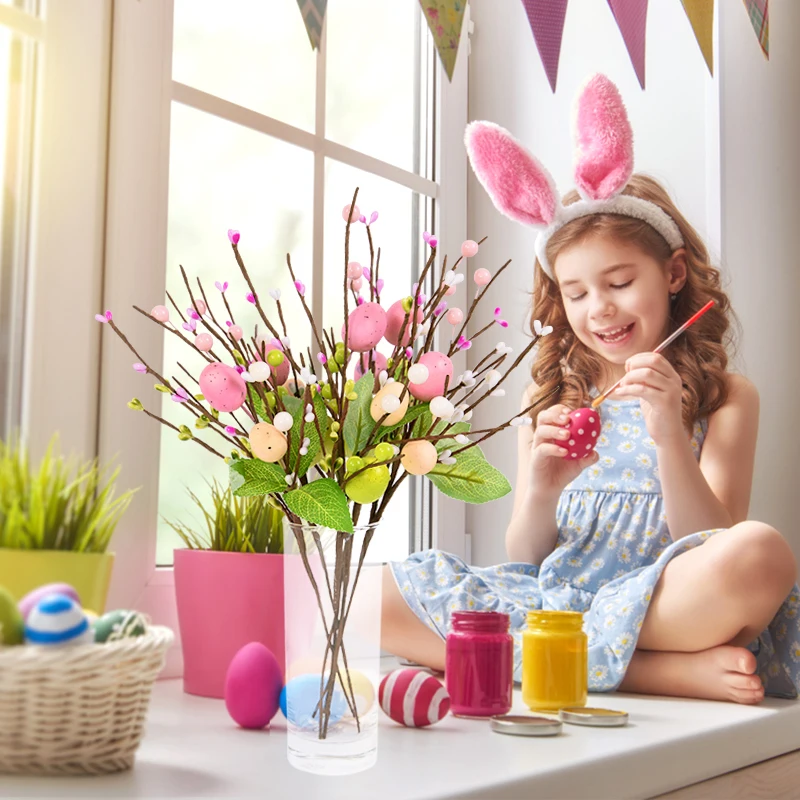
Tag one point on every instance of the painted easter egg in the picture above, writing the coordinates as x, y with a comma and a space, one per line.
253, 686
366, 326
584, 428
119, 624
440, 367
299, 699
32, 598
223, 387
388, 401
413, 698
12, 625
363, 363
419, 458
267, 442
368, 486
395, 317
279, 372
57, 620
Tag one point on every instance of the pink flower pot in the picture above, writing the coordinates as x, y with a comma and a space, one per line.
225, 601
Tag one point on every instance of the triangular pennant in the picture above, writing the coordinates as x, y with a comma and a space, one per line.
631, 17
701, 17
313, 12
445, 18
546, 18
758, 11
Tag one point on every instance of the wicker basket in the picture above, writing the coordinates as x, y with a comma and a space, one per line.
77, 710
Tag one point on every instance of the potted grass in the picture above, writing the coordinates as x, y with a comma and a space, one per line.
228, 585
56, 522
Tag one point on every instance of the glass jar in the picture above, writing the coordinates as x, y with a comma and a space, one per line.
479, 664
555, 661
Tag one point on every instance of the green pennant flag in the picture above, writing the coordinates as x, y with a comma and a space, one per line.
313, 12
445, 18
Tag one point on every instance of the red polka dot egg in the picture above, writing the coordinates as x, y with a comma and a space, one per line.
413, 697
584, 428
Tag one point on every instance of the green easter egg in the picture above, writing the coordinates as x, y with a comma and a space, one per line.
368, 486
12, 627
384, 451
120, 624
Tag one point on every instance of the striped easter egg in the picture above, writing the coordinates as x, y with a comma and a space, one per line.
413, 698
57, 620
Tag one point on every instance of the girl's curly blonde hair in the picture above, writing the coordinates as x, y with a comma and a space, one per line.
565, 370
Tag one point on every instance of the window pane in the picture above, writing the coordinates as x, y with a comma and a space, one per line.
226, 176
251, 52
373, 75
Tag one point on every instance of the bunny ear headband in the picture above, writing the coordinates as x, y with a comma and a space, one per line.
523, 190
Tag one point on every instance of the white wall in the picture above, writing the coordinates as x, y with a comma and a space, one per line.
675, 127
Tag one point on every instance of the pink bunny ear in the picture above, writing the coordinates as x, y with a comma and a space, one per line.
520, 187
605, 141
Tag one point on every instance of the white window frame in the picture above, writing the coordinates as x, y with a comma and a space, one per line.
136, 237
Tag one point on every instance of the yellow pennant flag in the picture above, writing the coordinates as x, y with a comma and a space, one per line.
701, 16
445, 19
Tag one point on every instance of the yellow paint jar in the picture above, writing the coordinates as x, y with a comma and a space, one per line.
555, 661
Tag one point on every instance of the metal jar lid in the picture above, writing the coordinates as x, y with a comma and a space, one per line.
595, 717
523, 725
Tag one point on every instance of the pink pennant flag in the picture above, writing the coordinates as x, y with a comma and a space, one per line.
546, 18
631, 17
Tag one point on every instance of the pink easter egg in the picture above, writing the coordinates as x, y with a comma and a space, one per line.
200, 306
161, 313
413, 697
354, 213
451, 290
280, 374
27, 604
395, 317
366, 326
204, 342
236, 332
378, 363
469, 248
253, 686
482, 277
223, 387
354, 270
439, 368
455, 316
584, 428
356, 284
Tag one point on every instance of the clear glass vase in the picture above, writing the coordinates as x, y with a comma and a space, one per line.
332, 612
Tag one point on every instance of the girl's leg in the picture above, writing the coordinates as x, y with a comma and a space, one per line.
402, 633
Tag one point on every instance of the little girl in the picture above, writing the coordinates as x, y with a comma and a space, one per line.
647, 536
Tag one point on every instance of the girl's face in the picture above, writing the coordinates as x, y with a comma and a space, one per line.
617, 297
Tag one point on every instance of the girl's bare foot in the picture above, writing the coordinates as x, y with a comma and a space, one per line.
720, 673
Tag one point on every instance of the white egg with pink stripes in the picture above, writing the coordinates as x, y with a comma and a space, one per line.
413, 698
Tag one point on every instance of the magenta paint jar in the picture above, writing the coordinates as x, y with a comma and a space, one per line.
479, 664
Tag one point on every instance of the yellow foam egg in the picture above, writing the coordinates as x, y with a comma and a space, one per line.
418, 458
267, 442
368, 486
376, 409
363, 690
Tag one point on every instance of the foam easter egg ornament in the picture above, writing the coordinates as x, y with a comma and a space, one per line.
388, 401
56, 621
267, 442
440, 367
32, 598
418, 458
363, 363
12, 625
363, 691
223, 387
119, 624
253, 686
395, 317
299, 699
369, 485
584, 428
365, 327
280, 371
413, 698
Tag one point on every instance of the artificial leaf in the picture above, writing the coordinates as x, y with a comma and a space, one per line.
258, 403
359, 423
321, 502
412, 414
422, 427
296, 408
471, 479
251, 476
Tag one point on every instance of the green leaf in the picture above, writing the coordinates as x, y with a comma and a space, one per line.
359, 423
423, 425
321, 502
296, 408
258, 403
471, 479
412, 414
251, 476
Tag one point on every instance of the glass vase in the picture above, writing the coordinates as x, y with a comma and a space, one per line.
332, 612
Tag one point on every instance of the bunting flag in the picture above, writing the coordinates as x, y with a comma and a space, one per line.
445, 18
546, 18
701, 17
758, 11
313, 12
631, 17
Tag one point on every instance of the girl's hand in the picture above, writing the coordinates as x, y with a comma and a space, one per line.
549, 470
651, 378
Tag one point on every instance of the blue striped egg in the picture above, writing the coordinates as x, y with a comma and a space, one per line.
57, 620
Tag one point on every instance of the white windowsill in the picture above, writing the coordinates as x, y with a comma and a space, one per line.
193, 749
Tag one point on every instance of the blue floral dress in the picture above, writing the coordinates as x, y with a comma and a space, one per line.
613, 544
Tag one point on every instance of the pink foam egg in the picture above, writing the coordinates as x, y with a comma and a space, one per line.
378, 363
223, 387
161, 313
395, 317
584, 428
27, 604
439, 368
253, 686
200, 306
280, 374
469, 248
354, 213
366, 326
482, 277
455, 316
204, 342
451, 290
354, 270
236, 332
413, 697
356, 284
